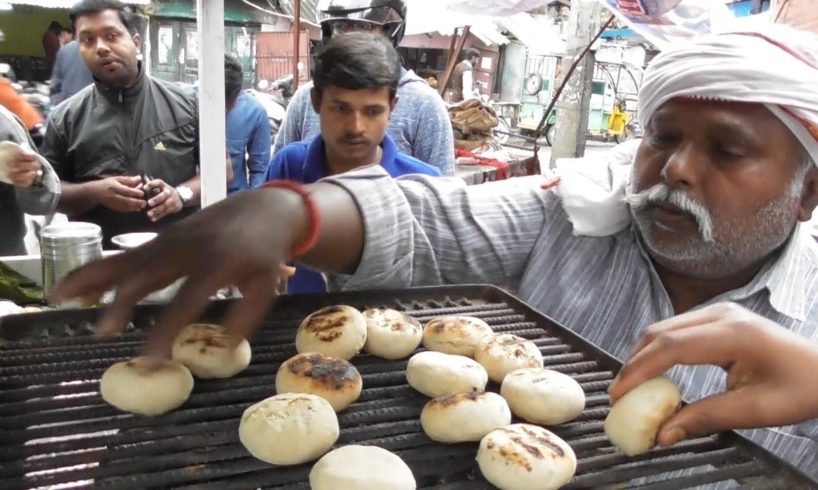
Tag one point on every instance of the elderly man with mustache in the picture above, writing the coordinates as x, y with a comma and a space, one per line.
709, 214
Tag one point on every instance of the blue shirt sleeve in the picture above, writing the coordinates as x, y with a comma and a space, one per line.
278, 167
258, 149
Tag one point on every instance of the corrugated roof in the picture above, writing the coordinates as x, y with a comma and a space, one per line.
62, 4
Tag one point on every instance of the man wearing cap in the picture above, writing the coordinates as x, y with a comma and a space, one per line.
709, 212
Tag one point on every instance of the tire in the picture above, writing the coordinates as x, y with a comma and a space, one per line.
502, 125
550, 134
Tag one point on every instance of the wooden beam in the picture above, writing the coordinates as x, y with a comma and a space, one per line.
453, 57
296, 42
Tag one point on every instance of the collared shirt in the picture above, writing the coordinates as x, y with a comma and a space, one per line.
422, 231
420, 123
248, 142
307, 163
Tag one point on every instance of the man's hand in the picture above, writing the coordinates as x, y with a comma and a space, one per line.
163, 200
241, 241
772, 373
24, 169
121, 193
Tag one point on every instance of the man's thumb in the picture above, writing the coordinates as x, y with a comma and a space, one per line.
714, 414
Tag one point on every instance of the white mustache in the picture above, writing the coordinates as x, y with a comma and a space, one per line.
661, 193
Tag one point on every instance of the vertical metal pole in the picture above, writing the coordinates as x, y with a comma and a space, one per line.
296, 41
212, 134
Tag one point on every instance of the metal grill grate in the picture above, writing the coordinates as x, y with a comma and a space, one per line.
55, 429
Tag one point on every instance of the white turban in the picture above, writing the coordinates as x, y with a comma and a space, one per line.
774, 65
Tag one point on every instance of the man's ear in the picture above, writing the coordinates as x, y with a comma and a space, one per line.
809, 195
393, 104
315, 97
137, 40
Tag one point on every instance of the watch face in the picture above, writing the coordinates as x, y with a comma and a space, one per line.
185, 193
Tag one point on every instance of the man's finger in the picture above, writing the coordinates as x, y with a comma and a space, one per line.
188, 304
127, 191
703, 344
685, 320
130, 181
94, 279
246, 314
128, 204
164, 194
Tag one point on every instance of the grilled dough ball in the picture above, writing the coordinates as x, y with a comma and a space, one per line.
391, 334
503, 353
335, 380
635, 419
206, 350
455, 334
543, 396
335, 331
287, 429
146, 386
437, 374
525, 457
464, 417
361, 468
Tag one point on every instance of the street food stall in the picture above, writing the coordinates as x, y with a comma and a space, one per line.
60, 431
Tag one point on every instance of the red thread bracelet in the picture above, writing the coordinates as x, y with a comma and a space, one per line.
312, 214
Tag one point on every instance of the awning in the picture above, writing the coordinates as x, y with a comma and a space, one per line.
537, 33
60, 4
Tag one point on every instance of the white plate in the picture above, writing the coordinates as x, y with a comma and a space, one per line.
128, 241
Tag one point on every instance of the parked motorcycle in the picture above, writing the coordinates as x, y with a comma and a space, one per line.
275, 97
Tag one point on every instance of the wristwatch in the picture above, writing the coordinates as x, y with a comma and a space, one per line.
185, 194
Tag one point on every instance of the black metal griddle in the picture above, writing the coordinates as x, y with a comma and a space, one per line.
55, 429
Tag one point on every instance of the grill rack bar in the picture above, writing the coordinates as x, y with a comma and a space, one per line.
47, 425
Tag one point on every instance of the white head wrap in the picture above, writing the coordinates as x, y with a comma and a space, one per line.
775, 65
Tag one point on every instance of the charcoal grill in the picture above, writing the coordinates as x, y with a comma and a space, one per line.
55, 429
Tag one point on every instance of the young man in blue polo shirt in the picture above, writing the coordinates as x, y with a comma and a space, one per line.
355, 79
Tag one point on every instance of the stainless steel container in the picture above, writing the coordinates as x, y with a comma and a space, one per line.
65, 247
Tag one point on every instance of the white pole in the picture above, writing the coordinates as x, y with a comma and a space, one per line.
212, 145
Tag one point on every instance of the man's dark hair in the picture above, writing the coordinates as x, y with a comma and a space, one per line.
88, 7
232, 78
355, 61
55, 26
471, 53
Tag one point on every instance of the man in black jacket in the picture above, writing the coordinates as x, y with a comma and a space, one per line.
125, 148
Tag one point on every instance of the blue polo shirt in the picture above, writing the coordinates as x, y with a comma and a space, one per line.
306, 162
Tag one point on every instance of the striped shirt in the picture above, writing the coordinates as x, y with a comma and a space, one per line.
427, 231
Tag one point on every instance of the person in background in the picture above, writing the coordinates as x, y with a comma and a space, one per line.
28, 184
248, 131
66, 36
420, 124
462, 84
12, 100
70, 73
355, 84
51, 42
126, 149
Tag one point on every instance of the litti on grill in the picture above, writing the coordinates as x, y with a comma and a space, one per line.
437, 374
635, 419
335, 331
455, 334
334, 380
542, 396
464, 417
391, 334
287, 429
503, 353
526, 457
